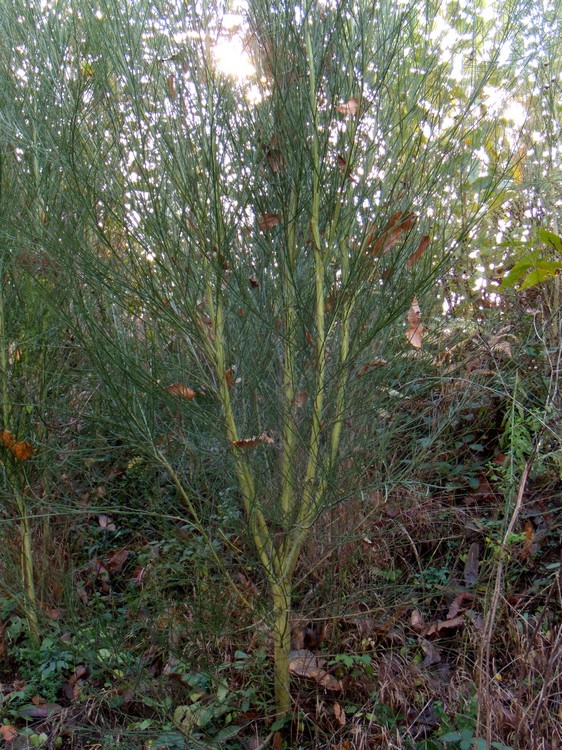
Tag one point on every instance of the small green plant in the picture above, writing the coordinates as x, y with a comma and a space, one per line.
464, 739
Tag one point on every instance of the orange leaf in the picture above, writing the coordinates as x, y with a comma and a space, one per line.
181, 391
349, 108
229, 377
309, 339
417, 254
529, 537
268, 221
7, 438
378, 362
20, 450
8, 732
253, 441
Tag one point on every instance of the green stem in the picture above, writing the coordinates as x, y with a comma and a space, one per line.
26, 548
289, 376
305, 514
281, 594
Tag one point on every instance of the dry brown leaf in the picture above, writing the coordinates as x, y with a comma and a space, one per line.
344, 167
380, 242
377, 362
116, 560
339, 713
229, 377
416, 620
254, 283
458, 604
309, 339
349, 108
417, 254
268, 221
529, 538
8, 732
181, 391
253, 441
79, 672
300, 399
471, 564
415, 330
172, 93
106, 523
452, 624
275, 160
415, 335
303, 663
432, 655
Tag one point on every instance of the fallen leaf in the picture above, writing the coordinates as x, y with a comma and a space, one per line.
416, 620
229, 377
253, 441
452, 624
458, 604
339, 713
22, 451
106, 523
417, 254
349, 108
471, 564
19, 449
79, 672
42, 711
529, 537
303, 663
8, 732
117, 560
254, 283
181, 391
268, 221
432, 655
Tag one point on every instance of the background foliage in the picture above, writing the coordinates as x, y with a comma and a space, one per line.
262, 393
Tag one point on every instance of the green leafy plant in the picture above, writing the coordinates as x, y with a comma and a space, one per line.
535, 268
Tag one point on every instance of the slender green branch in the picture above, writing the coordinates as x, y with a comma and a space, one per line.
201, 529
289, 428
